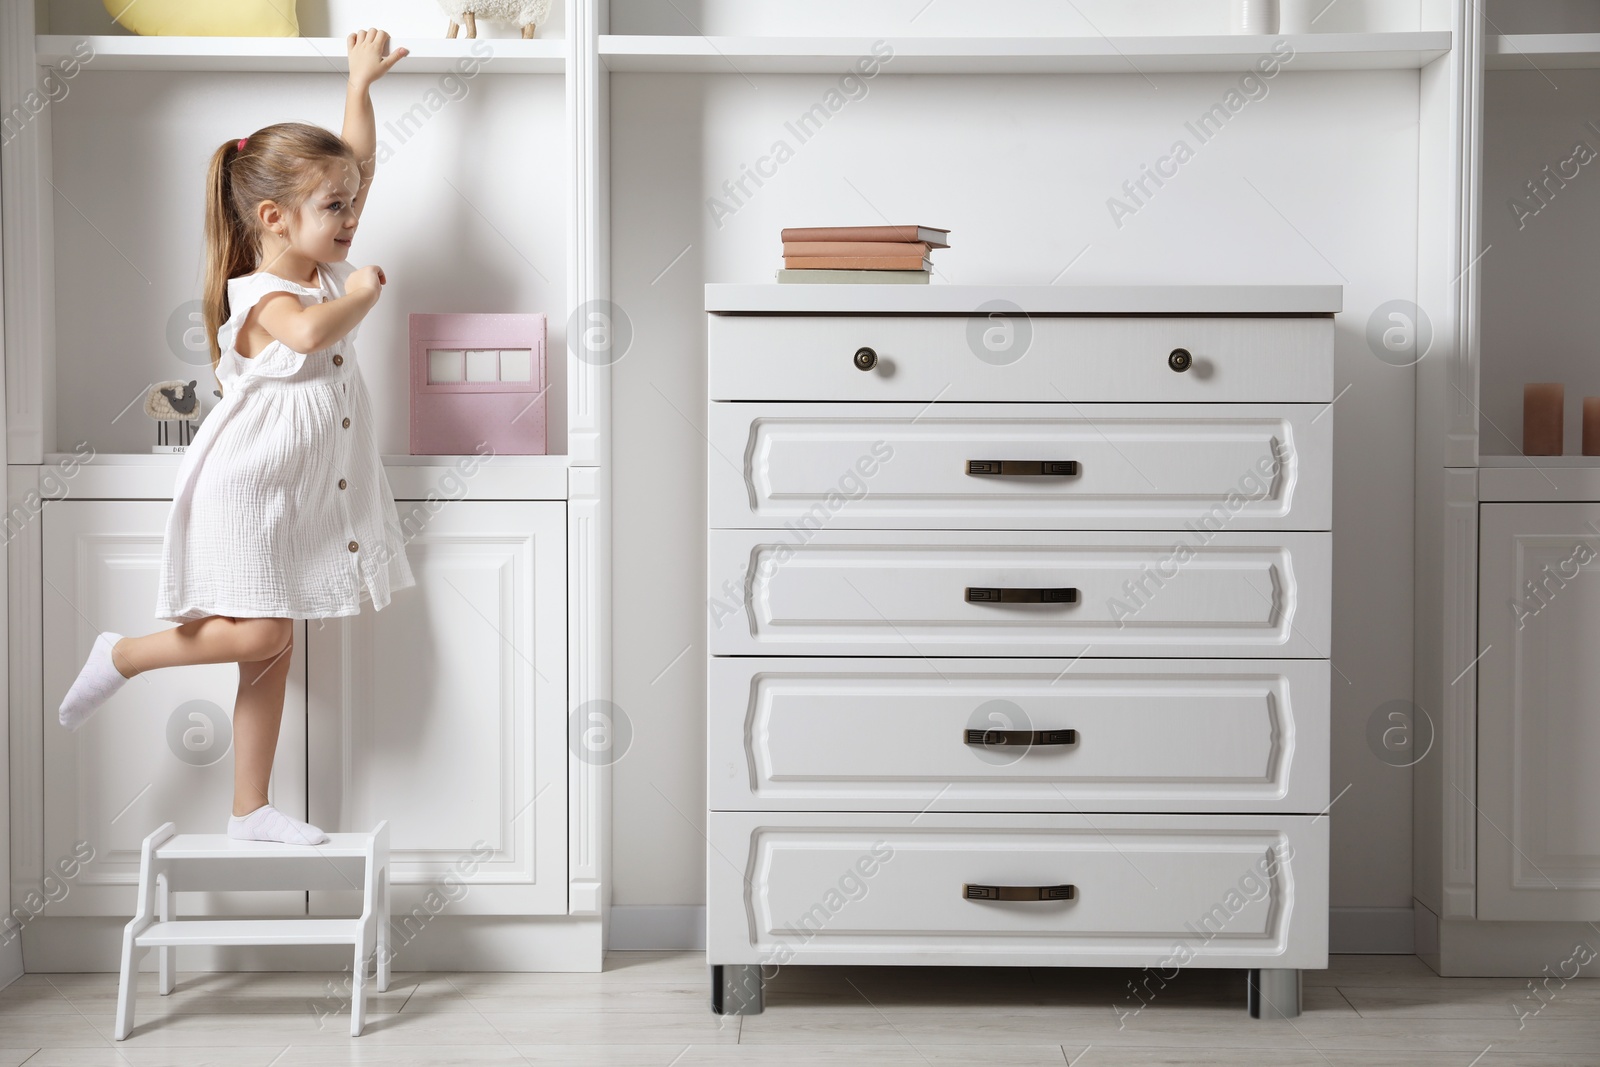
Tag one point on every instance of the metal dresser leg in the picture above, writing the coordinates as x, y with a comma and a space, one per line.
1274, 993
736, 988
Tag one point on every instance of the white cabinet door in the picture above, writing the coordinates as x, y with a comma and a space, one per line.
1539, 712
445, 713
161, 748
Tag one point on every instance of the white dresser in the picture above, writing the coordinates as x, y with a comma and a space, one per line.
1018, 624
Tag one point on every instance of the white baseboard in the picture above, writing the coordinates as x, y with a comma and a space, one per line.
657, 927
1377, 931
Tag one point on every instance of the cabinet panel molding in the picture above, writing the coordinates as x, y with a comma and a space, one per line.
161, 747
445, 714
1538, 734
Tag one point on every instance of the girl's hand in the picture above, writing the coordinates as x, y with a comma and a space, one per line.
366, 278
369, 56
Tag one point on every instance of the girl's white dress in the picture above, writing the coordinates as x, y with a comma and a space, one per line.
282, 508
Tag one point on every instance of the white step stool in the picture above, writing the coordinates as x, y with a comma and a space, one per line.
171, 862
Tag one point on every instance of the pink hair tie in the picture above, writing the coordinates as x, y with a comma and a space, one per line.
242, 140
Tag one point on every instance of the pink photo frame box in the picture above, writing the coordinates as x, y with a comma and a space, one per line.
478, 379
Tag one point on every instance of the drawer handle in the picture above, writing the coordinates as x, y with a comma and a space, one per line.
1020, 737
977, 594
1180, 360
1024, 468
1019, 892
865, 359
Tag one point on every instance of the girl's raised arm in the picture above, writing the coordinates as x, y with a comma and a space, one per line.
369, 61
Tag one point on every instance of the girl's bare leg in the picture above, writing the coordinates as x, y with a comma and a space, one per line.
213, 639
257, 713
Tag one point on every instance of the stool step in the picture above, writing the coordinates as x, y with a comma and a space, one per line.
223, 847
251, 932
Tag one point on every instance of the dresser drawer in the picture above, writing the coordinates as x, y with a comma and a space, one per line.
928, 593
896, 735
1043, 357
889, 888
1128, 466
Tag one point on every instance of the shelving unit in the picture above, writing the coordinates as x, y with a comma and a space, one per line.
488, 150
1505, 595
575, 142
1016, 55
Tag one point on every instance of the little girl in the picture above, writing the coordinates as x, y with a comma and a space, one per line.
281, 509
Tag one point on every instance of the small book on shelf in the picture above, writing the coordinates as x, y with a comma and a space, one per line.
932, 236
854, 277
816, 249
911, 262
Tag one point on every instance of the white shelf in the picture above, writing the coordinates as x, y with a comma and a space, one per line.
1543, 51
428, 55
1019, 55
1032, 299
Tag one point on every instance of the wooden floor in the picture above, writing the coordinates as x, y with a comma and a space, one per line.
652, 1009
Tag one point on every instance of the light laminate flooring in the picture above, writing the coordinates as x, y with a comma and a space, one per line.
651, 1009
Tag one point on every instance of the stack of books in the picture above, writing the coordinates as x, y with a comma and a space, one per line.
860, 253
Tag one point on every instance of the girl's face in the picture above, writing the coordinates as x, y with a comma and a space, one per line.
326, 222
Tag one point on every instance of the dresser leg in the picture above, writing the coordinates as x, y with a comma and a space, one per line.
1274, 993
736, 988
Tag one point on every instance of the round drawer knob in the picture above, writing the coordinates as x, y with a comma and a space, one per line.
1180, 360
865, 359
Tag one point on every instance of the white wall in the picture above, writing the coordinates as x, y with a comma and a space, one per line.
1315, 183
466, 214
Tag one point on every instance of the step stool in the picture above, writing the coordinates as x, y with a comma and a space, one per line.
171, 862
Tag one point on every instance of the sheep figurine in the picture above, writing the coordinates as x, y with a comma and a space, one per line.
525, 13
169, 402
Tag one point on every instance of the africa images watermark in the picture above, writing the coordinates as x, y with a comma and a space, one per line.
52, 89
1540, 592
452, 889
1255, 484
1253, 886
736, 192
850, 486
1542, 190
1252, 85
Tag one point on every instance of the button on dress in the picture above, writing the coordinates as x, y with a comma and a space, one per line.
282, 508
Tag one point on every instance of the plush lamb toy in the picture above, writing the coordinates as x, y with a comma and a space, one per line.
525, 13
173, 402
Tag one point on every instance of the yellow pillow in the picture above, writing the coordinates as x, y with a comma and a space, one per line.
206, 18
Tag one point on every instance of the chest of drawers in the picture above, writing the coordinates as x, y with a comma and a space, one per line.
1018, 614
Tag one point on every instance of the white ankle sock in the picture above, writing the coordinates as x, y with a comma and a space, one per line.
267, 823
95, 683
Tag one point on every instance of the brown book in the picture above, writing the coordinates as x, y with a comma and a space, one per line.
809, 249
931, 235
858, 263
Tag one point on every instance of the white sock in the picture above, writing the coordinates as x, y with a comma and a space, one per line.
95, 683
267, 823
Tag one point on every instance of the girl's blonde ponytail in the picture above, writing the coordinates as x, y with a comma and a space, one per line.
230, 245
